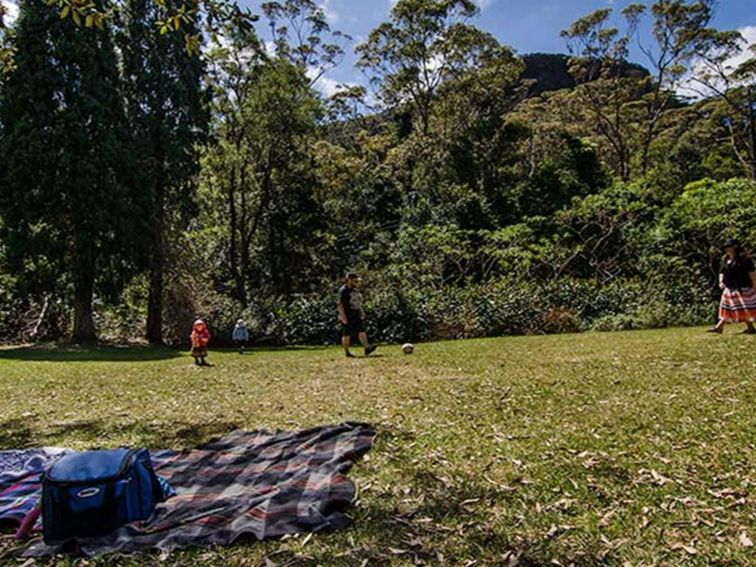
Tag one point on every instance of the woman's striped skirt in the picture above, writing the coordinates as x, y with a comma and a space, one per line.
738, 305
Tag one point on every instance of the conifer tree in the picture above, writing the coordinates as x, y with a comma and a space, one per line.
67, 206
167, 111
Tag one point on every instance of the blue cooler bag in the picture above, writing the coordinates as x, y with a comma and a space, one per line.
92, 493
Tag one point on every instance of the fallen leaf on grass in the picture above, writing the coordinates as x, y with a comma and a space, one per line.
659, 478
744, 540
604, 521
504, 487
725, 493
511, 558
555, 530
564, 504
689, 549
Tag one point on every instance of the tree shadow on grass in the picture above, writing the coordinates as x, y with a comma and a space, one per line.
449, 520
72, 353
178, 435
16, 434
256, 349
439, 509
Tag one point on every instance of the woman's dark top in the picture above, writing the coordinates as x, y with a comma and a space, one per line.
737, 272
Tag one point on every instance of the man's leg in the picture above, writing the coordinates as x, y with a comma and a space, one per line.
346, 342
363, 339
366, 345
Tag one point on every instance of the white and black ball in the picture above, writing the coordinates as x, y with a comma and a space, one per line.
408, 348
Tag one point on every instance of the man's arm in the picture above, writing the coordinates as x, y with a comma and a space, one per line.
340, 307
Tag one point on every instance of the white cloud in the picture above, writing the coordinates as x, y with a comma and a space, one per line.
11, 11
330, 12
749, 34
328, 86
693, 89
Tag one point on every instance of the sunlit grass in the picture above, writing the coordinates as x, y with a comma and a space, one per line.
588, 449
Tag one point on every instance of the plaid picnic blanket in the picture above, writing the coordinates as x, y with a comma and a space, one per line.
20, 479
248, 484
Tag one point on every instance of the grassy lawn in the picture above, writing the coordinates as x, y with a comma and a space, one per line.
630, 448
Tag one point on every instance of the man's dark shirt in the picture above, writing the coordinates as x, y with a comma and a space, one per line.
351, 299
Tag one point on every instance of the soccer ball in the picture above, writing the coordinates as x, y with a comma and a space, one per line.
408, 348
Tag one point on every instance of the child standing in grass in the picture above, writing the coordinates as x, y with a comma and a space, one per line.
240, 335
200, 338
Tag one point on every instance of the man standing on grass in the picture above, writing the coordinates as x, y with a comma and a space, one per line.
352, 316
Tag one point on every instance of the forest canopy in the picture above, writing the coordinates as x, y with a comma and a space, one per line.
165, 160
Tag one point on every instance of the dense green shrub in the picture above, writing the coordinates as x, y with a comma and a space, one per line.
499, 307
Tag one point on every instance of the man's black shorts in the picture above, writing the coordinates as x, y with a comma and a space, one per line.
353, 327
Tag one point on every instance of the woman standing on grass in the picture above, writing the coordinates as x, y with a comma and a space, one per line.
737, 280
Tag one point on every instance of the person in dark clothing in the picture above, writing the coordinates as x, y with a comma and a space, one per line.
737, 280
352, 315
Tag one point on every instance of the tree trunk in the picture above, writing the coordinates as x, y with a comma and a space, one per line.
84, 329
155, 304
233, 229
157, 271
752, 131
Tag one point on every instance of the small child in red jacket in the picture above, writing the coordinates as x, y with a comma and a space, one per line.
200, 338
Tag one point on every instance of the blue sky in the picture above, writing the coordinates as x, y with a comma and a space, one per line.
526, 25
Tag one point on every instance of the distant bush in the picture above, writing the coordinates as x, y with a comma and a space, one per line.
501, 307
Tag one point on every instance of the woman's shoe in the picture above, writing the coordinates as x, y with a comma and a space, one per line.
717, 330
748, 332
